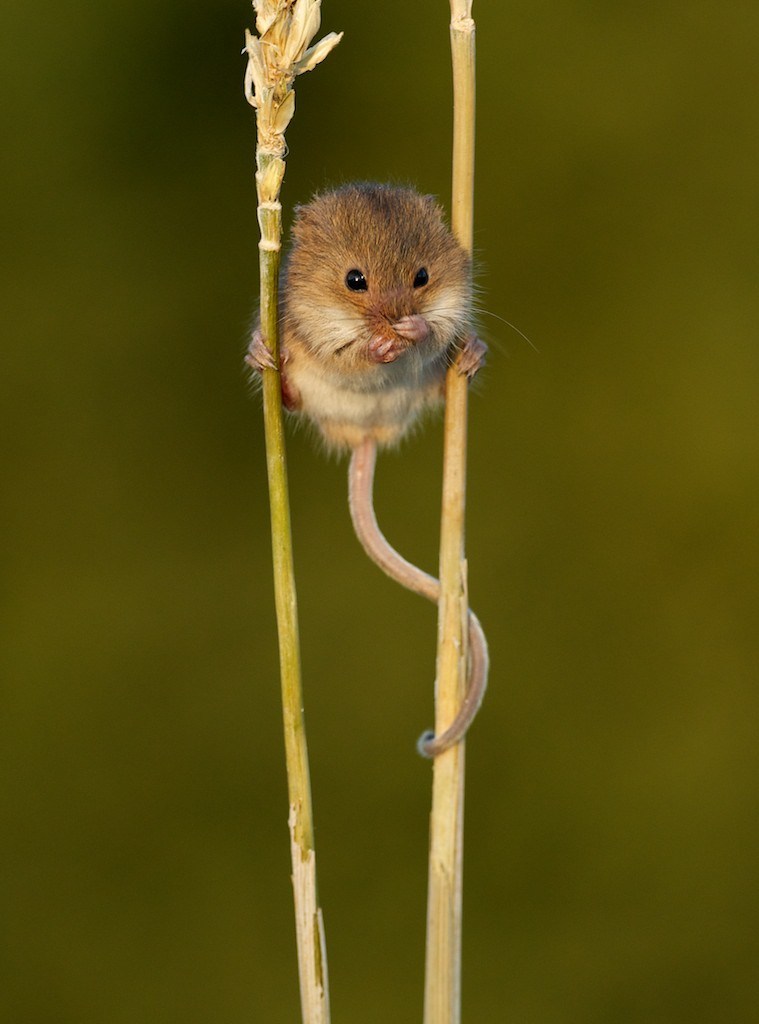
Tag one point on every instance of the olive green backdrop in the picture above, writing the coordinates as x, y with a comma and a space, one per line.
612, 786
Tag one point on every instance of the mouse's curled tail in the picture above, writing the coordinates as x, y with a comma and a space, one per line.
360, 488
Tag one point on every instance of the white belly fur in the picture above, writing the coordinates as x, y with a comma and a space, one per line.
383, 402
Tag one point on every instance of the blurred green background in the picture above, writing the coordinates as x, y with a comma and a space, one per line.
612, 786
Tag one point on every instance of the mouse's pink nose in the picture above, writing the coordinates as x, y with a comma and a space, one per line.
412, 328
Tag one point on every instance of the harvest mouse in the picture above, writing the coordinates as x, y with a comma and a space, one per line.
375, 305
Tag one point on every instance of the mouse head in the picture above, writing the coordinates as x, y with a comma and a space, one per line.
371, 261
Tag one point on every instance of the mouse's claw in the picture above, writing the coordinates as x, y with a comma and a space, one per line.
260, 358
385, 348
471, 357
412, 328
258, 355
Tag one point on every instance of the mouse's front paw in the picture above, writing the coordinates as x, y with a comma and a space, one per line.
259, 358
385, 348
471, 356
258, 355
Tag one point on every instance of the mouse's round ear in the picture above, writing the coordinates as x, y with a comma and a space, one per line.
311, 216
300, 213
303, 219
433, 205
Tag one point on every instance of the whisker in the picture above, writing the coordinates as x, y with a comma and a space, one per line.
514, 328
359, 321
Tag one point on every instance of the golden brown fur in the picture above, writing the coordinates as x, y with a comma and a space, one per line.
332, 337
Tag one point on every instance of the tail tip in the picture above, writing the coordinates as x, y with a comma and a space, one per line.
424, 744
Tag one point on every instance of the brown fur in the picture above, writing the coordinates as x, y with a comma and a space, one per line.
387, 233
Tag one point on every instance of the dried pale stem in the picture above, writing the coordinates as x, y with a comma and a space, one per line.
276, 56
312, 961
442, 996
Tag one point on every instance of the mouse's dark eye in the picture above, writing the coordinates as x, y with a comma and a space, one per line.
356, 281
422, 277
